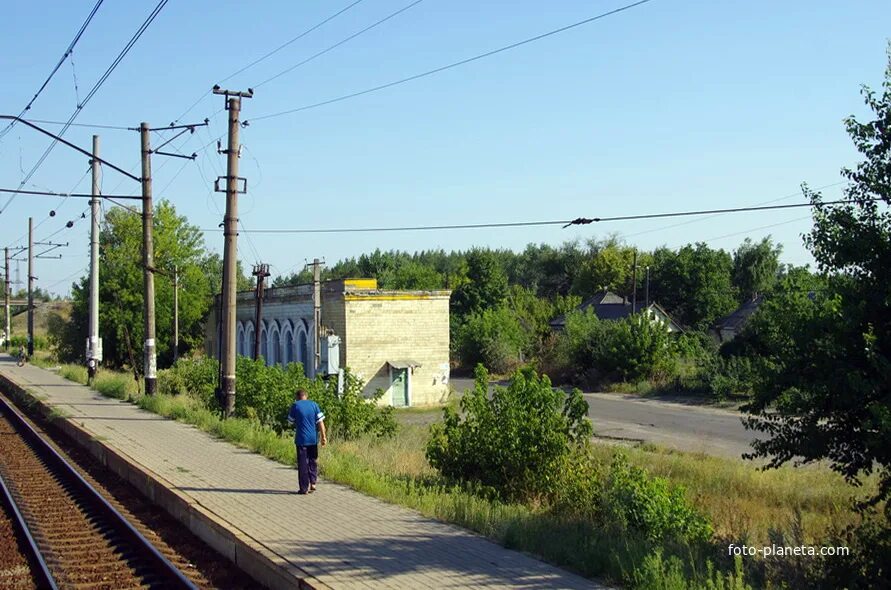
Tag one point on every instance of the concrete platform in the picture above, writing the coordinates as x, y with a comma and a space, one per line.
245, 506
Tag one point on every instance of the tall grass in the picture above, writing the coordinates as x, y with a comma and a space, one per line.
744, 503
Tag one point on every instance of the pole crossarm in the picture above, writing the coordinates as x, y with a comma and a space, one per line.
185, 157
69, 144
57, 194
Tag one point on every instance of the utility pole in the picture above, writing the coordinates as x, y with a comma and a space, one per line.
175, 313
6, 297
648, 288
317, 313
261, 271
149, 356
31, 278
94, 349
230, 251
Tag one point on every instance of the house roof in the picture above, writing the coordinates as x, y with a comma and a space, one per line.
736, 320
609, 306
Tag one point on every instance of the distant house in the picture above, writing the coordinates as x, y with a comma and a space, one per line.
728, 327
611, 307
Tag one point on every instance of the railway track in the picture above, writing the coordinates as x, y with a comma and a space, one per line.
75, 537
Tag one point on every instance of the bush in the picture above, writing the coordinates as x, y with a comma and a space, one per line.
492, 337
40, 343
626, 499
732, 376
512, 442
629, 349
632, 499
264, 394
197, 377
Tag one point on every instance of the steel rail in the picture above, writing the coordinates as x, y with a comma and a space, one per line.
42, 576
165, 568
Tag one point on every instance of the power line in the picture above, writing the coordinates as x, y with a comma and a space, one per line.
91, 125
789, 196
61, 61
739, 233
270, 54
148, 21
455, 64
564, 222
339, 43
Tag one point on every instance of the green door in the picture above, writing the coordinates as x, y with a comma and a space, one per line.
399, 387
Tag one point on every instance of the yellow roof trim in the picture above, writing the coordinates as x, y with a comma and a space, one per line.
370, 284
387, 296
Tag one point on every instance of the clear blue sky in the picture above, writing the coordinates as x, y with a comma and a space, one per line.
673, 105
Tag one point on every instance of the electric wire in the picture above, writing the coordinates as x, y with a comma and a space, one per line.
339, 43
270, 54
148, 21
61, 61
454, 64
674, 225
90, 125
564, 222
739, 233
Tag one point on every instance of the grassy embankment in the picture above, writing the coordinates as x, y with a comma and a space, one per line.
745, 504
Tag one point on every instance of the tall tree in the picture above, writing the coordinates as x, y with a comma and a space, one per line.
486, 286
755, 267
176, 244
693, 283
828, 395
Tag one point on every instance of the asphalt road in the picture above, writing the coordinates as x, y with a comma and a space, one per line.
679, 426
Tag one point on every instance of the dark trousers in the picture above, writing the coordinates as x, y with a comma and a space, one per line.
307, 465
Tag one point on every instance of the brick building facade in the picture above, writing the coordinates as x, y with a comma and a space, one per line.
397, 341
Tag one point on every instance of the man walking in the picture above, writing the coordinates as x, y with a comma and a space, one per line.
307, 417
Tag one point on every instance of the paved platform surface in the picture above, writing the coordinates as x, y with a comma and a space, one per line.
340, 537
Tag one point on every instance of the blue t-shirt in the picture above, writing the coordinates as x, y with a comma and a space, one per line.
304, 415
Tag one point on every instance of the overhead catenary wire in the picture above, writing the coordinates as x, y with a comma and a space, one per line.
339, 43
90, 125
270, 54
454, 64
58, 65
148, 21
563, 222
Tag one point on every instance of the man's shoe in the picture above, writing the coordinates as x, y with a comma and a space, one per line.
302, 492
312, 487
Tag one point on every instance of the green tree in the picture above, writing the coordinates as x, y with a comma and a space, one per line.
826, 395
694, 283
176, 244
755, 267
486, 285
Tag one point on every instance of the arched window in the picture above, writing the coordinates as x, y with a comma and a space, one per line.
275, 345
302, 352
288, 337
264, 346
249, 339
239, 340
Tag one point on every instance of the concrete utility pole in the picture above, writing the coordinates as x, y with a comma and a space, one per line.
261, 271
94, 349
317, 313
6, 297
31, 278
230, 249
149, 355
175, 313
